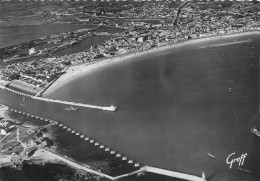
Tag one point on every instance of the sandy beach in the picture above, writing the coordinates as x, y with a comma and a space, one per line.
77, 71
43, 156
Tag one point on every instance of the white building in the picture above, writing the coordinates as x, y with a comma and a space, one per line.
31, 51
3, 131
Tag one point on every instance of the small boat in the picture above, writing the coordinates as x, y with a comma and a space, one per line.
244, 170
229, 90
71, 109
255, 132
140, 174
210, 155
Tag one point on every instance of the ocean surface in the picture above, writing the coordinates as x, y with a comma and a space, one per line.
174, 107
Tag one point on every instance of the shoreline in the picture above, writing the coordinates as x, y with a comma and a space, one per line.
76, 71
47, 156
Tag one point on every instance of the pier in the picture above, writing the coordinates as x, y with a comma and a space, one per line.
104, 108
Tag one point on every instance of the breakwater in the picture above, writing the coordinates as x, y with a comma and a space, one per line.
104, 108
164, 172
150, 169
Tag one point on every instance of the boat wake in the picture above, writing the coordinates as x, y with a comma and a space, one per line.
211, 155
225, 44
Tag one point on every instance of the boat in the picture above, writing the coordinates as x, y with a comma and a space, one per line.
140, 174
210, 155
229, 90
255, 132
244, 170
71, 109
